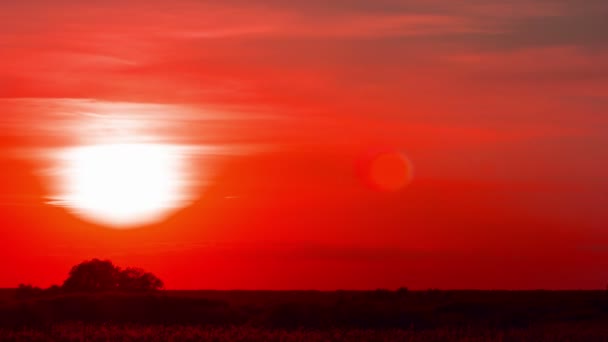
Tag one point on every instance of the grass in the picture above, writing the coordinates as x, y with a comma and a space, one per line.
308, 316
132, 332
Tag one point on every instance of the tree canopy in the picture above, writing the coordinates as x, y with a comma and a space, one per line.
102, 275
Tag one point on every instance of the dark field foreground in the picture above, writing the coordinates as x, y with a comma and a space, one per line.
308, 316
133, 332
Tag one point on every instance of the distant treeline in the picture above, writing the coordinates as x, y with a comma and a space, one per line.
381, 309
97, 276
97, 291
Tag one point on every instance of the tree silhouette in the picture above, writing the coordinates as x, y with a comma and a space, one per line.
136, 279
93, 275
27, 291
102, 275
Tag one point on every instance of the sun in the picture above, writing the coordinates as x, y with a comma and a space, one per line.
122, 185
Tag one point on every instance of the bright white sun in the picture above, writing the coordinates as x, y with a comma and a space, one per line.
122, 185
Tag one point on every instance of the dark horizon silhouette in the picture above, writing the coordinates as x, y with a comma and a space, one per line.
98, 293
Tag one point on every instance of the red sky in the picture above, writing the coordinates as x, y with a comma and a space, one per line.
499, 107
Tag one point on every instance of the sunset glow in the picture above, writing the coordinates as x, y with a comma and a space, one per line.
346, 144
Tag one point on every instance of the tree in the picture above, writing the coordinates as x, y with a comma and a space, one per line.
53, 290
93, 275
102, 275
25, 291
136, 279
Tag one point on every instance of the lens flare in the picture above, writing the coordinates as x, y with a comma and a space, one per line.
390, 171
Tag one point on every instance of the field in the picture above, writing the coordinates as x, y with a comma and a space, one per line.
134, 332
308, 316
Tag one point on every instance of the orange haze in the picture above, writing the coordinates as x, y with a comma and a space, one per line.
343, 144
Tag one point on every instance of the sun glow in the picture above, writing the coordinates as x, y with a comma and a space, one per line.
122, 185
